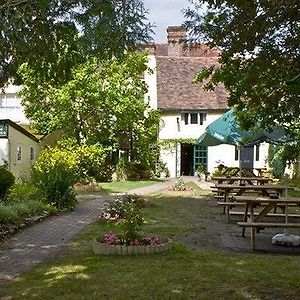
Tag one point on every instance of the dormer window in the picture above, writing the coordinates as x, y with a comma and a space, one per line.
194, 118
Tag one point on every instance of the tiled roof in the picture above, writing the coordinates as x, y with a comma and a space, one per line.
175, 90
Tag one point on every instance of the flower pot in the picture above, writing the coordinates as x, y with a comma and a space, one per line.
106, 249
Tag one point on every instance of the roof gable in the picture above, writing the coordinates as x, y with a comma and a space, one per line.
175, 90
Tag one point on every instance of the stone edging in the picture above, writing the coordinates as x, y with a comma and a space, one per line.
6, 231
106, 249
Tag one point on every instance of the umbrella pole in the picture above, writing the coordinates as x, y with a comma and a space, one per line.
240, 161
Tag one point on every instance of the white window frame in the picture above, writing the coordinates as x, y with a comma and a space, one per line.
31, 153
186, 118
19, 153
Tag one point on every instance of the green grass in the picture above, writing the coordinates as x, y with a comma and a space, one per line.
181, 273
118, 186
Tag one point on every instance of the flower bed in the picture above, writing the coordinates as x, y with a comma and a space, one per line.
126, 213
100, 247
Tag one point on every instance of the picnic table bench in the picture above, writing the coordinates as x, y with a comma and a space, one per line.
241, 179
230, 191
256, 221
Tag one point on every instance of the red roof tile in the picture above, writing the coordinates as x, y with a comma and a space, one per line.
175, 90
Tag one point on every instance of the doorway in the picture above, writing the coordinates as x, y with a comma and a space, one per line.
186, 160
247, 157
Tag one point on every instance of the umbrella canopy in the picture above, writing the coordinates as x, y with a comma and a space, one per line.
226, 130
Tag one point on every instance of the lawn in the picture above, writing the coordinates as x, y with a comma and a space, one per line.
184, 272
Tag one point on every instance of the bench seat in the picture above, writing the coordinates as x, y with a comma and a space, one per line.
268, 225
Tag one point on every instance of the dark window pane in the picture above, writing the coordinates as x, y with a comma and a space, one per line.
186, 118
194, 118
257, 153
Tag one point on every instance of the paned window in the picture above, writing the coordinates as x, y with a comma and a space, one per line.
19, 153
194, 118
31, 153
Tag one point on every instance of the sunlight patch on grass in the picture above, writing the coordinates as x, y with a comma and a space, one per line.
59, 273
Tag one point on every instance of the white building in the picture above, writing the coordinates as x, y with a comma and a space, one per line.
186, 108
10, 105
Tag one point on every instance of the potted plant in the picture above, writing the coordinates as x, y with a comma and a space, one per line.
202, 172
128, 239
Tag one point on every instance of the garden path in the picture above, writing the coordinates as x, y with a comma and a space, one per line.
48, 239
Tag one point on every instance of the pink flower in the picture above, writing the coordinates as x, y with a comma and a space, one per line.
153, 240
134, 243
111, 238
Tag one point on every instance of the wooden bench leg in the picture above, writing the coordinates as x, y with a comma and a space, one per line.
245, 219
253, 230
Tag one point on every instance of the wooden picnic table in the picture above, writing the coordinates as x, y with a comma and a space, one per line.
256, 221
238, 190
224, 190
233, 179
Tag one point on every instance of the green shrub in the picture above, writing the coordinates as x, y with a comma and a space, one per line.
8, 214
15, 213
55, 174
23, 193
7, 179
91, 160
275, 160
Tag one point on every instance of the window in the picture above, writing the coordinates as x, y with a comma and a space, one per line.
19, 153
200, 156
31, 153
194, 118
257, 152
10, 101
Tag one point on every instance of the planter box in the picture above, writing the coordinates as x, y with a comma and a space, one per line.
106, 249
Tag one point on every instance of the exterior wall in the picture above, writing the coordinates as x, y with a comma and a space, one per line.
3, 151
172, 127
150, 79
169, 156
21, 169
10, 105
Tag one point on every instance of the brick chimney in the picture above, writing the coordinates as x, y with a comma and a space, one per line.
176, 40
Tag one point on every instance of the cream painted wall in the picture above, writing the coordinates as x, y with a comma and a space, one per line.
172, 127
150, 79
21, 169
224, 154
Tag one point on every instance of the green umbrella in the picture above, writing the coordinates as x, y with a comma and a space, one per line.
226, 130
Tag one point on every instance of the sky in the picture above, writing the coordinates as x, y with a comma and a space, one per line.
164, 13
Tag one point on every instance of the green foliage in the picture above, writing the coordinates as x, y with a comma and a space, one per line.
201, 169
7, 179
101, 105
161, 169
55, 173
101, 99
259, 62
130, 227
24, 193
179, 186
91, 160
275, 160
64, 33
17, 212
130, 220
121, 169
116, 209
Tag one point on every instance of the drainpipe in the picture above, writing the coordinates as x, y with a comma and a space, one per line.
176, 160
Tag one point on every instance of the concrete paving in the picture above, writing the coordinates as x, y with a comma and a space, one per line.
45, 240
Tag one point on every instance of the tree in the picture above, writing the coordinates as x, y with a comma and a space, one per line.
52, 36
259, 60
101, 101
